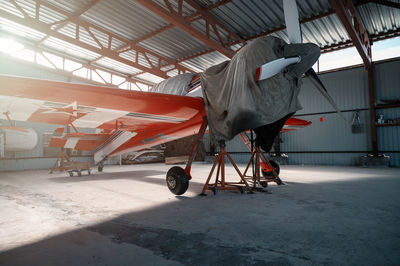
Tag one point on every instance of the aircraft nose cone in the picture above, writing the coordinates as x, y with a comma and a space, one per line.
309, 54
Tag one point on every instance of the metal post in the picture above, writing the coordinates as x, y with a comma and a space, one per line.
374, 137
2, 144
195, 146
277, 145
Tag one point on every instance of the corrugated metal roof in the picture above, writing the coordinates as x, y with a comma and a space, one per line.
186, 8
125, 18
251, 17
201, 63
70, 49
174, 44
150, 78
117, 66
73, 6
247, 18
25, 32
378, 18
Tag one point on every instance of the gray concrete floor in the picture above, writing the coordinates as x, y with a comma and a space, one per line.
127, 216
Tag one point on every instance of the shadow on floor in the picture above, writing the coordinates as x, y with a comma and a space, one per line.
343, 222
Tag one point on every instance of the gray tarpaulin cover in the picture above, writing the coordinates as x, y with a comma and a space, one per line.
235, 102
176, 85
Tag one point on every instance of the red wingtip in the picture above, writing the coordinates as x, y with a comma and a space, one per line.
297, 122
258, 74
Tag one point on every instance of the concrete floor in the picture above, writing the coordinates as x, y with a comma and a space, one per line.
127, 216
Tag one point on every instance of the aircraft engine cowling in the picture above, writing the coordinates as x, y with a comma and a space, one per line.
17, 140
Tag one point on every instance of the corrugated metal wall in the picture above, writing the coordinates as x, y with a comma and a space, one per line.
329, 140
387, 80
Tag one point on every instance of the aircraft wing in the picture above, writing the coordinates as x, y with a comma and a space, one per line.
133, 120
294, 123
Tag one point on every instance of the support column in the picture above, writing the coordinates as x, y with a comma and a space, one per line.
374, 138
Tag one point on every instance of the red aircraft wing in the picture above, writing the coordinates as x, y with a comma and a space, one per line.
294, 123
134, 120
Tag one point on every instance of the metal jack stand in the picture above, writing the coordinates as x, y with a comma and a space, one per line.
260, 158
61, 158
257, 177
222, 184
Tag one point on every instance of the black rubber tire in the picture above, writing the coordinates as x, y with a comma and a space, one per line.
71, 173
100, 168
177, 180
264, 184
270, 173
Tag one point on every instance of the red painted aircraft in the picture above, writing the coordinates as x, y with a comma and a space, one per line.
127, 120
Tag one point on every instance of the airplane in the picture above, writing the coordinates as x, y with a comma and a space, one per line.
17, 138
177, 107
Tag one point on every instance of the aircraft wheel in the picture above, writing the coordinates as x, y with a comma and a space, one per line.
100, 168
264, 184
270, 173
177, 180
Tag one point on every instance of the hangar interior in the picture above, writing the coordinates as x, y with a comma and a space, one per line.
135, 44
96, 42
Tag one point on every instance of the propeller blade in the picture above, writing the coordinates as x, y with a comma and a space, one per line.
274, 67
292, 21
318, 84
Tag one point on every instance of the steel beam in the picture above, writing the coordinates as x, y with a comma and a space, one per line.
102, 49
347, 13
62, 25
191, 18
127, 47
225, 38
305, 20
41, 51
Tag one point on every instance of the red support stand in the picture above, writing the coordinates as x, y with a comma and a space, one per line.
195, 147
61, 158
220, 183
257, 178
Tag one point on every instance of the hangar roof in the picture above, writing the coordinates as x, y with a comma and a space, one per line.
129, 39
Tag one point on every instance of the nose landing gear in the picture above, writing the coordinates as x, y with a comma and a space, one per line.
177, 180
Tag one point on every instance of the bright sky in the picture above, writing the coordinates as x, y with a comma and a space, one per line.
347, 57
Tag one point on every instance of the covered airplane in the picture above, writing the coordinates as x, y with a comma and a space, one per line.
258, 89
